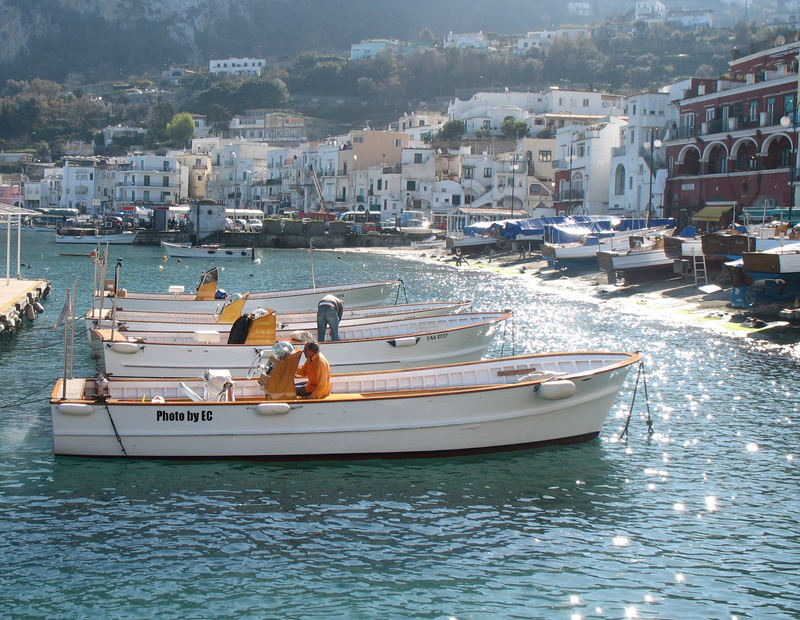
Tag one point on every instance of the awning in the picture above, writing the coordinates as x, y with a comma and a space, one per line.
711, 214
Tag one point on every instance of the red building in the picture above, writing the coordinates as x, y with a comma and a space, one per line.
730, 151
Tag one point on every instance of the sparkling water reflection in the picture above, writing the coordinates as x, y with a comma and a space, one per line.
697, 522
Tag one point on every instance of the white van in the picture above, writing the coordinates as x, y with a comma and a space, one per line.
256, 225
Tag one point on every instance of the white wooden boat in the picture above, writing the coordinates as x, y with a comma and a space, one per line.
469, 244
213, 252
587, 248
355, 295
222, 320
645, 256
89, 237
508, 403
776, 262
431, 243
391, 344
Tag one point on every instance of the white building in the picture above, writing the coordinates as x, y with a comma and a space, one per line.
649, 10
542, 39
87, 185
370, 48
552, 108
634, 167
110, 133
583, 167
418, 125
151, 180
237, 66
465, 40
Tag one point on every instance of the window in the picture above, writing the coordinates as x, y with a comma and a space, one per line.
146, 196
619, 180
166, 166
469, 172
771, 111
754, 110
709, 115
487, 173
585, 103
417, 158
147, 179
545, 155
380, 184
411, 186
165, 181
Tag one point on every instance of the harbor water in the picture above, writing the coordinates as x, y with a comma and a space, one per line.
699, 520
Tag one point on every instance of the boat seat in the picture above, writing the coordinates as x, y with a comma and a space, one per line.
278, 384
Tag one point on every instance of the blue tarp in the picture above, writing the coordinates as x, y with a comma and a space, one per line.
477, 229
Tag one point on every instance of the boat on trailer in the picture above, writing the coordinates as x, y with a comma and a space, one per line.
488, 405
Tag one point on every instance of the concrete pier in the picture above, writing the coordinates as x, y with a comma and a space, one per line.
20, 300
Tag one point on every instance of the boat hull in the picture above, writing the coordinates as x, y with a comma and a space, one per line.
354, 421
175, 250
181, 322
125, 238
389, 345
300, 300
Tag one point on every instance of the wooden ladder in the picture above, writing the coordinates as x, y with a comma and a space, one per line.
699, 269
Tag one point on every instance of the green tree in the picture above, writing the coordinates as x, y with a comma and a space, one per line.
453, 130
180, 129
512, 128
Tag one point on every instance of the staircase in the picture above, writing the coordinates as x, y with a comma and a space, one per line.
699, 269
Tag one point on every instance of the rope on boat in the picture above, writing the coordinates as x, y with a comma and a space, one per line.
397, 294
640, 373
116, 433
28, 395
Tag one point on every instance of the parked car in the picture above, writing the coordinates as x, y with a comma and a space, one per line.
256, 225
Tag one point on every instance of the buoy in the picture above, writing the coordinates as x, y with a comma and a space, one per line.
272, 408
161, 267
556, 389
164, 258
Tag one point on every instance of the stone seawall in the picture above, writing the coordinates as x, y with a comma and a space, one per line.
281, 240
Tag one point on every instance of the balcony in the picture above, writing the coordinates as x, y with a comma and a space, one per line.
619, 151
570, 194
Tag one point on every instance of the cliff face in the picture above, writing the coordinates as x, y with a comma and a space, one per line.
102, 39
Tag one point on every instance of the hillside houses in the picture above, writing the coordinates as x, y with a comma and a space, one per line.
699, 150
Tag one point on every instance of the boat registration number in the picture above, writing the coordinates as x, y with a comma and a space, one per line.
436, 337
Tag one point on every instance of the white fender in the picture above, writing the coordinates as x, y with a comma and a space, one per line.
408, 341
75, 408
125, 347
272, 408
557, 389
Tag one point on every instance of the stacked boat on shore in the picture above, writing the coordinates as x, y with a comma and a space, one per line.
198, 376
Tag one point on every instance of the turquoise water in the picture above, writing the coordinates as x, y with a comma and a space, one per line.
699, 521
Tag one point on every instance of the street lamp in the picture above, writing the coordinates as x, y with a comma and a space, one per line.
786, 122
654, 143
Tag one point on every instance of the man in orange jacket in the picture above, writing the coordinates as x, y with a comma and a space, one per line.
318, 372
